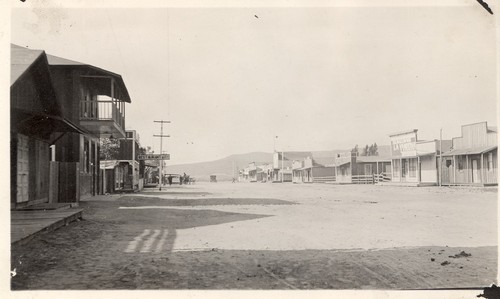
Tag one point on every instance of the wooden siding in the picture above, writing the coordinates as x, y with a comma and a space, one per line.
323, 171
68, 182
475, 135
459, 169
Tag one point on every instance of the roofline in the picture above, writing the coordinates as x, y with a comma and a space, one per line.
402, 133
26, 71
117, 76
479, 122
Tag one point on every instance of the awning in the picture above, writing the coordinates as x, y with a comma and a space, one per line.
370, 159
108, 164
37, 123
470, 151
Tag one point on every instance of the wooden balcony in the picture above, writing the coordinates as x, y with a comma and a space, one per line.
103, 118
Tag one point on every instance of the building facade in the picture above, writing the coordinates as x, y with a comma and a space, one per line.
36, 123
414, 162
473, 157
94, 99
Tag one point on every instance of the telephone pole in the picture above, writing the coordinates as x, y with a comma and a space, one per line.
161, 147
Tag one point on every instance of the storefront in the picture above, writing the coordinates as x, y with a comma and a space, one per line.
414, 162
473, 159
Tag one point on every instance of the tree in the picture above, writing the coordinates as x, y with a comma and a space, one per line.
375, 149
365, 151
109, 148
370, 150
355, 150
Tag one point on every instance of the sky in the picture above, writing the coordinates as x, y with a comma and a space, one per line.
231, 79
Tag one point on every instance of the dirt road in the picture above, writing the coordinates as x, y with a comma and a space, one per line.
270, 236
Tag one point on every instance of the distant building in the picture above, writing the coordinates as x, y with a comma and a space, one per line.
318, 170
282, 165
351, 168
473, 157
123, 173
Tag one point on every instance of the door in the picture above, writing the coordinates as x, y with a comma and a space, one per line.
475, 172
404, 169
22, 168
447, 171
368, 169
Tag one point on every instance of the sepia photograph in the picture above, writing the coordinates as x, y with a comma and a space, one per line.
249, 145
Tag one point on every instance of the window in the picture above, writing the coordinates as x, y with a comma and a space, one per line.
490, 162
448, 163
86, 156
460, 162
413, 168
395, 165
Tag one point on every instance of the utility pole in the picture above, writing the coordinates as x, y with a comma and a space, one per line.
282, 158
161, 147
440, 157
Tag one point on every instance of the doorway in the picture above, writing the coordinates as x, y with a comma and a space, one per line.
475, 172
22, 169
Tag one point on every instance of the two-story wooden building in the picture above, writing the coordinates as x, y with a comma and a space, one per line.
94, 99
36, 122
473, 157
123, 172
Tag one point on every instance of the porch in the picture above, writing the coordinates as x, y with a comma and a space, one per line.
25, 224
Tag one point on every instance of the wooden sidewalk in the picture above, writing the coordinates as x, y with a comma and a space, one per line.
26, 224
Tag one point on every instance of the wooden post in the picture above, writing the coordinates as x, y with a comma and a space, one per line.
467, 168
419, 178
482, 169
454, 169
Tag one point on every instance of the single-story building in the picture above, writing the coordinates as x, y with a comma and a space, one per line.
414, 162
473, 157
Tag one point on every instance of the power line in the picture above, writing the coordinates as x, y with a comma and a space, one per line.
161, 147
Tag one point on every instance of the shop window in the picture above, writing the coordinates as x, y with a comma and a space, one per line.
395, 165
413, 168
490, 162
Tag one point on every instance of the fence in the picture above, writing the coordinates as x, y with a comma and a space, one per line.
324, 179
363, 179
371, 178
382, 177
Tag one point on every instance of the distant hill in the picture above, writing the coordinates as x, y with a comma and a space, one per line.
228, 167
224, 168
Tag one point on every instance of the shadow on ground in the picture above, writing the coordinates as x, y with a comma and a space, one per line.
177, 193
131, 200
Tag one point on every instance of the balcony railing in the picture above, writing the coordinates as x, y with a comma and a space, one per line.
103, 110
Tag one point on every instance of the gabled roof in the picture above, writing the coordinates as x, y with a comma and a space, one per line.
324, 161
55, 61
20, 61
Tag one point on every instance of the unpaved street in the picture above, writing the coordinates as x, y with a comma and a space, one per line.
270, 236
